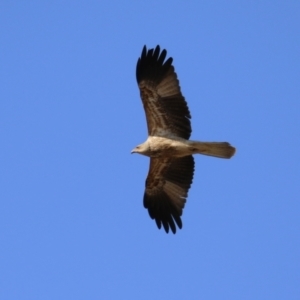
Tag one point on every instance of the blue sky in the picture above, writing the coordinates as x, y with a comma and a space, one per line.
72, 223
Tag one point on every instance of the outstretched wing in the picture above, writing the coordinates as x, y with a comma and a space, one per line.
166, 110
167, 185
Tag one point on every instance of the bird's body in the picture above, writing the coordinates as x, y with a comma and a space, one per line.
168, 146
160, 147
156, 146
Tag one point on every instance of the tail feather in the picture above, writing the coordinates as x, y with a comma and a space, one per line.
217, 149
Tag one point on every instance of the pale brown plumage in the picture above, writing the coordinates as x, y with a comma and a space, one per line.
169, 128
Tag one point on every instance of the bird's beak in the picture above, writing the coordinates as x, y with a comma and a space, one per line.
132, 151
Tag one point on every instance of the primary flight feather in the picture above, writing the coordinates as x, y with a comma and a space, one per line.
168, 146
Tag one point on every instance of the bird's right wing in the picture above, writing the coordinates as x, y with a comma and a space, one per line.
167, 186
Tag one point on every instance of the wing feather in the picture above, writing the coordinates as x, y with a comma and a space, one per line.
166, 110
167, 185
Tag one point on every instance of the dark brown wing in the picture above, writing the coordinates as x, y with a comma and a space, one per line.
167, 186
166, 110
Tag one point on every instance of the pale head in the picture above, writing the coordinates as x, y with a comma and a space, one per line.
142, 149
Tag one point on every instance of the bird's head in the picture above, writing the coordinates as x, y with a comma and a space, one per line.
142, 149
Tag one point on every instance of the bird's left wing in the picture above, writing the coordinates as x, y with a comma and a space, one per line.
166, 110
167, 185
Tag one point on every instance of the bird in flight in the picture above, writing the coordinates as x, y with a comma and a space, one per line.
168, 146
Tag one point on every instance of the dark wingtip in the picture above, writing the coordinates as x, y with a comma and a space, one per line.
151, 64
164, 216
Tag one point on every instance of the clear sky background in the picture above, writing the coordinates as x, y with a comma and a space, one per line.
72, 222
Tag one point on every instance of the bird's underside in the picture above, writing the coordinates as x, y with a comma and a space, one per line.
168, 146
165, 147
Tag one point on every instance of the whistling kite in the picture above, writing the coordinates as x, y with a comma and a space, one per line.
168, 145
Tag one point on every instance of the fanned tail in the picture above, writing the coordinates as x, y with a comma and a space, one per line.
217, 149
